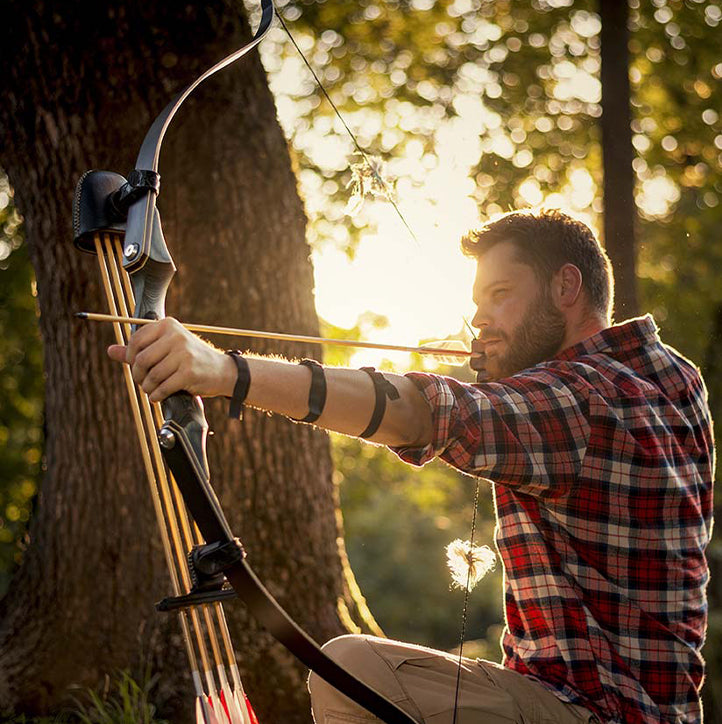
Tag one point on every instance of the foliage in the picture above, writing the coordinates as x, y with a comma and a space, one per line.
397, 525
519, 78
525, 75
59, 719
21, 388
120, 700
679, 170
364, 328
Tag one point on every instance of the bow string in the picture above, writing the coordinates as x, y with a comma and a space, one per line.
377, 181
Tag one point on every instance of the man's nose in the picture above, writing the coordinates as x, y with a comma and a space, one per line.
480, 319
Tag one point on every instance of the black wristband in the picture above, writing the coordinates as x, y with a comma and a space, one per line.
317, 391
243, 382
383, 389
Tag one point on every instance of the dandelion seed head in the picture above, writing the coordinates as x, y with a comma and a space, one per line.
468, 563
368, 179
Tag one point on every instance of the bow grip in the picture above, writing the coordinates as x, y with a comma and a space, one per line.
183, 444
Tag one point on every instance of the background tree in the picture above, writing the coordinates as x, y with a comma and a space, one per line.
81, 85
620, 213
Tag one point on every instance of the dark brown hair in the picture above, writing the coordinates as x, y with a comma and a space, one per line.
547, 239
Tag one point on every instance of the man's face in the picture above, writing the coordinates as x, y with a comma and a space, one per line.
519, 326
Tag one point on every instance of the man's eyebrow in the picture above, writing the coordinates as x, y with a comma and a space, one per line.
495, 283
490, 285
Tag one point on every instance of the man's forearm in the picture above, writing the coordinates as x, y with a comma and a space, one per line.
165, 358
283, 387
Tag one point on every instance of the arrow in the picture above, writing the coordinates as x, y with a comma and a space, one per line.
450, 351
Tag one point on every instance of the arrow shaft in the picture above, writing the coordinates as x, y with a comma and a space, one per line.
259, 334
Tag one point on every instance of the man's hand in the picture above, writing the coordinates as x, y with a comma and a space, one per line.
165, 358
478, 360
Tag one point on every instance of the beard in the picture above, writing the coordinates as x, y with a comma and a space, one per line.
538, 337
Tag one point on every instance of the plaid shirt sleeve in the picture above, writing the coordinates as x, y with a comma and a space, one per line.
529, 431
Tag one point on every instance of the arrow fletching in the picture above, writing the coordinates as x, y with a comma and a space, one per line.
204, 712
451, 352
230, 703
252, 718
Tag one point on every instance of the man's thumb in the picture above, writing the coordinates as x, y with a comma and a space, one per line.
117, 352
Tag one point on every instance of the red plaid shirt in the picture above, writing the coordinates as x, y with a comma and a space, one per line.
602, 460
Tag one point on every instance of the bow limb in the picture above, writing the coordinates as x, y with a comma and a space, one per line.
181, 442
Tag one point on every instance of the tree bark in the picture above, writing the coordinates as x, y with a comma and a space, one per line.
83, 82
620, 211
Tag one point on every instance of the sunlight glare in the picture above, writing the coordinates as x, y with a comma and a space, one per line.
423, 287
576, 85
582, 188
656, 195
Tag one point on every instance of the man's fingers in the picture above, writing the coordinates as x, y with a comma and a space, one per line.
173, 384
142, 338
149, 357
165, 358
159, 374
146, 335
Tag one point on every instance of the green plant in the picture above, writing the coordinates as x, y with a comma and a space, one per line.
121, 700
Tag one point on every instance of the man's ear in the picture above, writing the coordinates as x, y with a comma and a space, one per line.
567, 285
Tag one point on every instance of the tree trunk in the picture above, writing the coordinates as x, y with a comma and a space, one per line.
83, 81
620, 211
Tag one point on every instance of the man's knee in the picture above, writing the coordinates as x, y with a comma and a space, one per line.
344, 650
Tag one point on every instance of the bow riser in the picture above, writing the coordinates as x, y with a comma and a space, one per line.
147, 261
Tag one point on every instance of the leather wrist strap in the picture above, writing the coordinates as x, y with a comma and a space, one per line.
383, 389
317, 391
243, 382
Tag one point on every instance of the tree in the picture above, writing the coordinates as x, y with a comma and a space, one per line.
82, 83
620, 212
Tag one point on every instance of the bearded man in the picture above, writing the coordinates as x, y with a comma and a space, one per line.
597, 439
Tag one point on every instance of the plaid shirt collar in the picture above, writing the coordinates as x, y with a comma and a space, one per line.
626, 336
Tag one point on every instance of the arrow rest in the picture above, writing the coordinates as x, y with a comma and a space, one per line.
206, 564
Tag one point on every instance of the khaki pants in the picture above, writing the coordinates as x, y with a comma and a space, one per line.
423, 682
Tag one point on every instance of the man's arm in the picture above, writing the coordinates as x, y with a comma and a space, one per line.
165, 358
529, 431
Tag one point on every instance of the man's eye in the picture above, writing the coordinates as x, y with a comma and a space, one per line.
500, 293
